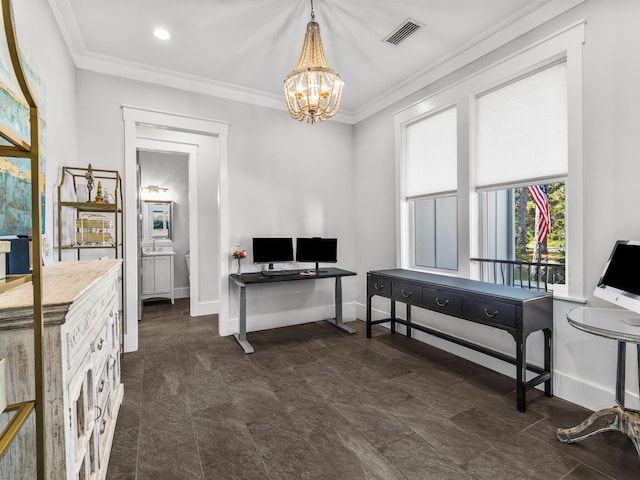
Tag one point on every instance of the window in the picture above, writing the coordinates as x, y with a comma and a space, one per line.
511, 253
517, 123
522, 138
431, 183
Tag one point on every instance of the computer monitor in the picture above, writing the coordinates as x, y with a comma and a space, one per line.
272, 250
620, 279
317, 250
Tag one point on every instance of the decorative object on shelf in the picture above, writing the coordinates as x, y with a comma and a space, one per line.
93, 229
99, 197
239, 255
82, 193
90, 181
313, 90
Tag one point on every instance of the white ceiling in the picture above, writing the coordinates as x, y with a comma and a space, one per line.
243, 49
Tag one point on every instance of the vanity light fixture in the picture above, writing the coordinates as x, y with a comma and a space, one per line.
313, 90
153, 192
161, 33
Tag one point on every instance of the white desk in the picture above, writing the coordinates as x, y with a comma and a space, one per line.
624, 327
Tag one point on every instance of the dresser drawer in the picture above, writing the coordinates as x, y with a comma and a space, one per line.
103, 384
379, 286
406, 292
442, 301
490, 311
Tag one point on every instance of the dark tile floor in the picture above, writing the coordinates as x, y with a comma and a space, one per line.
315, 403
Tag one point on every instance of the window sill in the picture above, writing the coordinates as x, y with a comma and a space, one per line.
560, 293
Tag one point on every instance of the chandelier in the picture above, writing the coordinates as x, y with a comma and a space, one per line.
313, 90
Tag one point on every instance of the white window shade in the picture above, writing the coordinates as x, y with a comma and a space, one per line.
522, 129
431, 154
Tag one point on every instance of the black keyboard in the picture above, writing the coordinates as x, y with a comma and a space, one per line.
279, 273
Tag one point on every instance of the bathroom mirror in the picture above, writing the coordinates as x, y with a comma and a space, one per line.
156, 219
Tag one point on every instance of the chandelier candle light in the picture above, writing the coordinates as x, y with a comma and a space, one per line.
313, 90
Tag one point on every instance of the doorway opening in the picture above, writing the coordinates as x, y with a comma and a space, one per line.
163, 227
205, 142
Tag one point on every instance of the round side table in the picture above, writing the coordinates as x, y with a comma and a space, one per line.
624, 327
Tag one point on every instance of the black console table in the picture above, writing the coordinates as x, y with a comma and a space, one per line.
518, 311
258, 278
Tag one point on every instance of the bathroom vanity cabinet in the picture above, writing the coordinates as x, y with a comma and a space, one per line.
158, 273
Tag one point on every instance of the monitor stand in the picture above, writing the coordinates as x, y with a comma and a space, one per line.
317, 270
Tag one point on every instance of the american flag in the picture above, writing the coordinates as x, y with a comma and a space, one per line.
543, 221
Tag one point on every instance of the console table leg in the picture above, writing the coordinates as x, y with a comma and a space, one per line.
337, 322
408, 320
521, 374
393, 316
368, 316
548, 352
241, 336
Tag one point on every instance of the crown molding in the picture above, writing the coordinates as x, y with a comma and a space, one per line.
500, 35
468, 53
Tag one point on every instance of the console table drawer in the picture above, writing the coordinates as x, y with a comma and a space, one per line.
379, 286
490, 311
442, 301
406, 292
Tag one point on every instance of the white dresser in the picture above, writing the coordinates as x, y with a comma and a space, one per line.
83, 391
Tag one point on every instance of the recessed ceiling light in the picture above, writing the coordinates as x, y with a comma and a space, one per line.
161, 33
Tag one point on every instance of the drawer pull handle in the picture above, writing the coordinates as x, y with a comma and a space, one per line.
99, 414
375, 285
405, 294
102, 428
490, 315
446, 302
100, 344
101, 386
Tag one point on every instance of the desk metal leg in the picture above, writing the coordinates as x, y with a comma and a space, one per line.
241, 336
337, 322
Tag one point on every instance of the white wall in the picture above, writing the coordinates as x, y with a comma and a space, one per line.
584, 364
285, 179
40, 38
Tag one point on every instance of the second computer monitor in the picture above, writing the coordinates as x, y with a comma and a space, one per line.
317, 250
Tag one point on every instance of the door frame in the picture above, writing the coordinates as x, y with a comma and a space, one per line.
138, 116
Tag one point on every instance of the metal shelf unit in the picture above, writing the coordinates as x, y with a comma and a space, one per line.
70, 209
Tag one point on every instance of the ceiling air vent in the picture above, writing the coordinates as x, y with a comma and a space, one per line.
407, 28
